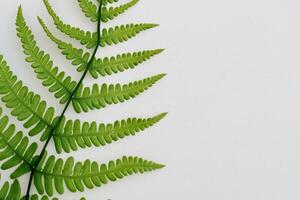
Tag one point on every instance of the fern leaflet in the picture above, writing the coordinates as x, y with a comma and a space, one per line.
16, 151
109, 36
77, 56
54, 174
119, 63
73, 134
25, 105
42, 64
90, 10
87, 99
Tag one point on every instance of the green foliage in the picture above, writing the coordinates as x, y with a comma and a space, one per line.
109, 36
12, 192
48, 173
90, 10
119, 63
42, 64
55, 174
16, 150
71, 135
25, 105
87, 99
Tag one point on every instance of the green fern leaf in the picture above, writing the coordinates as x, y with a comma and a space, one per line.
86, 99
16, 151
72, 134
109, 36
91, 11
12, 192
25, 105
113, 12
122, 33
106, 66
54, 174
76, 56
86, 38
119, 63
56, 81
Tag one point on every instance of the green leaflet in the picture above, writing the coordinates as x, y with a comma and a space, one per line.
87, 99
109, 36
15, 149
86, 38
77, 56
25, 105
55, 174
91, 10
113, 12
72, 135
122, 33
42, 64
119, 63
102, 67
12, 192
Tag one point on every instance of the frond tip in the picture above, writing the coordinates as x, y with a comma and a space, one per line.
72, 135
53, 175
88, 99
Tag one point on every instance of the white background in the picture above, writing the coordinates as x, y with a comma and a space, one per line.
232, 93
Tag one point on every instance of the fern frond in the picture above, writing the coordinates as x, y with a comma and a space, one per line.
87, 99
77, 56
73, 134
113, 12
53, 175
10, 192
119, 63
15, 149
109, 36
25, 105
122, 33
91, 10
42, 64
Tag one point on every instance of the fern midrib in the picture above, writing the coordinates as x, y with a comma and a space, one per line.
102, 134
33, 171
10, 87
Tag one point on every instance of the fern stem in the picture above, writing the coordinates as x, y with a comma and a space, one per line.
33, 170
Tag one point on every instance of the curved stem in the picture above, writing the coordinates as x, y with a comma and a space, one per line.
33, 170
